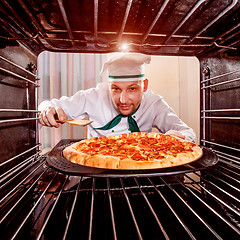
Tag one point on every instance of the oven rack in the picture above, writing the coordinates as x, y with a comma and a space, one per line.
7, 161
19, 74
12, 120
18, 66
198, 204
216, 115
6, 69
214, 84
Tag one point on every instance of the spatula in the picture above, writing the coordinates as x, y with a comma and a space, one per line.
77, 122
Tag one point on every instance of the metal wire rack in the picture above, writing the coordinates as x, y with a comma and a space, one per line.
197, 205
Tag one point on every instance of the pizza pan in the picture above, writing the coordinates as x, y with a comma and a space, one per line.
56, 160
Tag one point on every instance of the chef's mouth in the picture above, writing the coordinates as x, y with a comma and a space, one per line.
125, 107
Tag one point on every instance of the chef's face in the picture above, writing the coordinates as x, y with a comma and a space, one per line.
127, 96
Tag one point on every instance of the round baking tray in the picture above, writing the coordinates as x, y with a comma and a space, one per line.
56, 160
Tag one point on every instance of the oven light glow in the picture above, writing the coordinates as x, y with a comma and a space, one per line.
124, 47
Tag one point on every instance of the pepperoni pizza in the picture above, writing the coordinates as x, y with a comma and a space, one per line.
133, 151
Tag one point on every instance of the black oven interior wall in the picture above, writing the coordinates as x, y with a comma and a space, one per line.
220, 102
18, 126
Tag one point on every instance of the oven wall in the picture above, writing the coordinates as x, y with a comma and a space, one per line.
16, 94
221, 127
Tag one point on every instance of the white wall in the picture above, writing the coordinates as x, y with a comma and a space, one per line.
189, 77
177, 80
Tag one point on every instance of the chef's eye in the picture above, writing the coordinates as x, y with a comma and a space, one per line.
115, 89
132, 89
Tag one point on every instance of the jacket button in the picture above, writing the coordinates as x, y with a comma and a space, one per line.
112, 130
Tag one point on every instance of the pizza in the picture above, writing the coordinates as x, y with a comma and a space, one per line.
137, 150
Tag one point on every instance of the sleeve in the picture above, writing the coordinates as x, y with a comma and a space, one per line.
74, 106
166, 119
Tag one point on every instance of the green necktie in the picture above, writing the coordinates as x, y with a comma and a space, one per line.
133, 127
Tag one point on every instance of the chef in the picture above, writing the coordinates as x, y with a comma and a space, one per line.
123, 105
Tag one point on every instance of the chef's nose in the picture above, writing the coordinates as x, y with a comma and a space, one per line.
123, 97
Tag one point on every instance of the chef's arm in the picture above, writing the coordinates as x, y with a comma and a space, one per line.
176, 127
64, 108
169, 123
49, 113
187, 134
175, 134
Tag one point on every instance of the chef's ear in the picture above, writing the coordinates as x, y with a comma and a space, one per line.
145, 86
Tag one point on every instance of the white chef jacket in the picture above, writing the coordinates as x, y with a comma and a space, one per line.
96, 104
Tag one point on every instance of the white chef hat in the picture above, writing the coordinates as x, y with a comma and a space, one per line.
127, 67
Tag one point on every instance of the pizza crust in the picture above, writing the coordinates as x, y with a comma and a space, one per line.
113, 162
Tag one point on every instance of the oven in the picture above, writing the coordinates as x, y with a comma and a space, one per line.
39, 201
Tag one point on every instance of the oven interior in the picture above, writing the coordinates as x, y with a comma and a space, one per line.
39, 202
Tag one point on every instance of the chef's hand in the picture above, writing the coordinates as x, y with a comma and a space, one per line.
49, 115
175, 134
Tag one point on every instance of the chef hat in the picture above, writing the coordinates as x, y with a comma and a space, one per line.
127, 67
